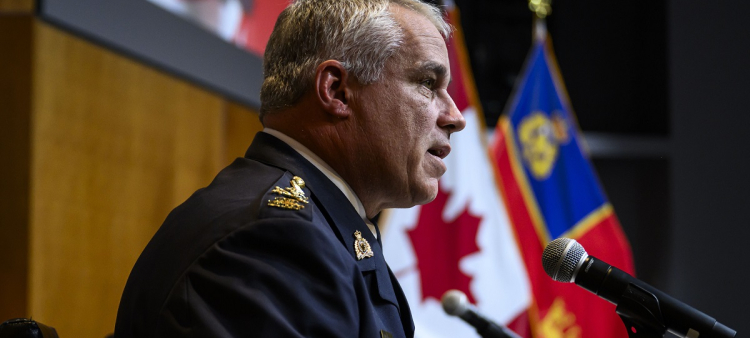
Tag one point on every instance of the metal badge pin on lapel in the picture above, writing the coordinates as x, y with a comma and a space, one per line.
362, 247
291, 196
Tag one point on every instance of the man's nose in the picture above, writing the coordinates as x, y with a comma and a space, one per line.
451, 118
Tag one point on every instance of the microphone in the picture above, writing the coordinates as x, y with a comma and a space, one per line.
638, 304
456, 304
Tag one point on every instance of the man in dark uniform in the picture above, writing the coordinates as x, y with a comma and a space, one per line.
357, 119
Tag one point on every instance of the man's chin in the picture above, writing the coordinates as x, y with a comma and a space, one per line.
423, 194
428, 195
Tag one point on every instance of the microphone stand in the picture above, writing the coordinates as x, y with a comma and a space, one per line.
640, 312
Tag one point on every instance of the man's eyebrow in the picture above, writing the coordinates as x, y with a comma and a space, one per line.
430, 67
434, 67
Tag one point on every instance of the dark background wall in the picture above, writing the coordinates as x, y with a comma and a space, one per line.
709, 83
660, 89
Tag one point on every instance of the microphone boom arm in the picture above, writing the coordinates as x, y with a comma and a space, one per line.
646, 311
643, 308
640, 312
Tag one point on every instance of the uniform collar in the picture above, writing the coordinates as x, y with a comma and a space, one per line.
331, 174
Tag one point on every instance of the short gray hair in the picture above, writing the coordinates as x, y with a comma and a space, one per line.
361, 34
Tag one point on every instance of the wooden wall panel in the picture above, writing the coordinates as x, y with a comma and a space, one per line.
116, 146
241, 126
16, 6
15, 103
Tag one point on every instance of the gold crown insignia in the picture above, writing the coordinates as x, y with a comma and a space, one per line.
362, 247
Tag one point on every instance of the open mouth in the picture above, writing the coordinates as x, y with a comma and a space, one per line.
440, 151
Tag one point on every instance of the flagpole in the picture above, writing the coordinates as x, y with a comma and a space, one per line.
541, 9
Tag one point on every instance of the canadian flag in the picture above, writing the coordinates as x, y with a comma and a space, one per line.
463, 239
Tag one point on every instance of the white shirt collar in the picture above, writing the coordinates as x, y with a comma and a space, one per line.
328, 171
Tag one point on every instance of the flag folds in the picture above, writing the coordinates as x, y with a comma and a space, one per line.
551, 190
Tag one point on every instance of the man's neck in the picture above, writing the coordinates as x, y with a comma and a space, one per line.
332, 175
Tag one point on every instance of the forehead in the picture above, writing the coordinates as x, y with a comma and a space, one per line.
423, 44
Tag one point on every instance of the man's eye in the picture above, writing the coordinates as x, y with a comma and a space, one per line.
429, 83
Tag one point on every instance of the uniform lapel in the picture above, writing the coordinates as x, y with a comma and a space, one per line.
337, 209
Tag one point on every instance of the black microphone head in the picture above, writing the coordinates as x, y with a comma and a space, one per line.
562, 258
455, 302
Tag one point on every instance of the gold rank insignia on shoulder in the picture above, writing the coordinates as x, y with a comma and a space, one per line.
361, 247
291, 197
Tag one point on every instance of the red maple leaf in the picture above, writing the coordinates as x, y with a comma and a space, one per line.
440, 245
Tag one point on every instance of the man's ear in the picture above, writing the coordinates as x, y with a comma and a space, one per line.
331, 88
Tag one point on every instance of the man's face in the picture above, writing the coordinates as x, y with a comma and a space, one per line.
406, 117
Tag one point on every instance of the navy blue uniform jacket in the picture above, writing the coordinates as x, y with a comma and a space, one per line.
226, 264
